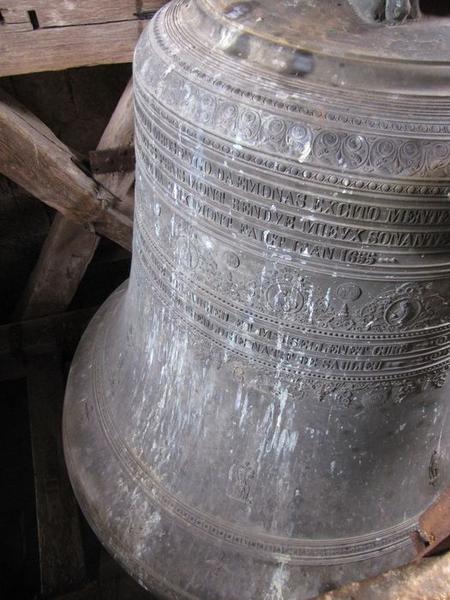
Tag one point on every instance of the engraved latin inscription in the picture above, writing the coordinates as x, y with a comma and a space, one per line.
200, 186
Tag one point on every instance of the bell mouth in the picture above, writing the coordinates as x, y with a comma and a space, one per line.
138, 519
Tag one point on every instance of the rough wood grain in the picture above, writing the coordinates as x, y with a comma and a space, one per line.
24, 339
61, 35
61, 554
62, 263
32, 156
119, 133
15, 19
69, 247
54, 13
425, 580
60, 48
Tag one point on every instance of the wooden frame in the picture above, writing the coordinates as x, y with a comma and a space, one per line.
70, 247
48, 35
33, 157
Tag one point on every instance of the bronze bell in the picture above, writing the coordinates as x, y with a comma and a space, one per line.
262, 412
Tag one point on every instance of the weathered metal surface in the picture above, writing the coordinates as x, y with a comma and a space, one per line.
427, 580
433, 534
263, 412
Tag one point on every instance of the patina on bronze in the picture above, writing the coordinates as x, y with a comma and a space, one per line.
261, 414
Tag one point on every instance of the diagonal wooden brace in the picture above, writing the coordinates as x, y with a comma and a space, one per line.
107, 205
33, 157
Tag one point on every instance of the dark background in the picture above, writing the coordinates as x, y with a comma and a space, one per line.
76, 105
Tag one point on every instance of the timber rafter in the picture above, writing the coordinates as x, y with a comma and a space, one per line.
49, 35
70, 247
33, 157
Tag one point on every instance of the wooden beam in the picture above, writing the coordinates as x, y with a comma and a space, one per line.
65, 48
424, 580
15, 19
57, 13
23, 339
120, 133
62, 263
48, 35
60, 549
89, 592
69, 247
33, 157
